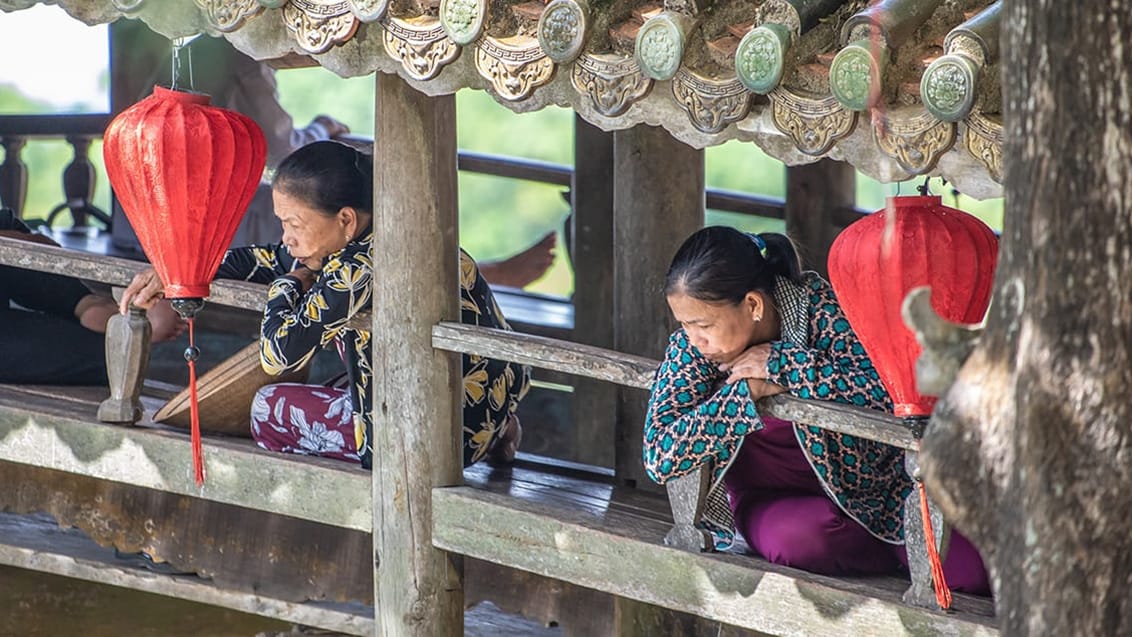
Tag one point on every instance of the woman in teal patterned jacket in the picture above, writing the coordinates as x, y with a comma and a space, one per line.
320, 277
753, 325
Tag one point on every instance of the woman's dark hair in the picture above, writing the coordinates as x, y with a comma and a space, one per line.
329, 176
719, 264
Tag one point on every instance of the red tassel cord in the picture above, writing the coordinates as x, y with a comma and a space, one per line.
198, 456
942, 590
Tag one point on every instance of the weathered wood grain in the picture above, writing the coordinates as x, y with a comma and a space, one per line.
303, 560
573, 358
626, 557
38, 544
637, 371
65, 435
417, 419
658, 202
592, 254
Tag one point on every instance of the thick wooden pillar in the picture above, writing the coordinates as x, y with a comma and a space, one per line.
417, 416
595, 402
819, 199
658, 202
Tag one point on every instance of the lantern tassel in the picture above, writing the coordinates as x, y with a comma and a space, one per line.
939, 582
198, 455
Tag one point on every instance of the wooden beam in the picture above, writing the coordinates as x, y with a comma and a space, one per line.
817, 195
38, 544
637, 372
582, 549
45, 431
417, 416
591, 252
548, 353
115, 271
658, 202
119, 272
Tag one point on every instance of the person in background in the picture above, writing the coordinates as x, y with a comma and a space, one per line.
754, 325
52, 327
319, 278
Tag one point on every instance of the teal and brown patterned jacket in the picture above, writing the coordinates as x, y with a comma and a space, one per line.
296, 325
694, 417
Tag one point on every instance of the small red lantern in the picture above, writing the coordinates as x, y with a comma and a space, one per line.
875, 262
913, 242
184, 172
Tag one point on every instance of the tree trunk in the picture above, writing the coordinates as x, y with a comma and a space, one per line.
1030, 451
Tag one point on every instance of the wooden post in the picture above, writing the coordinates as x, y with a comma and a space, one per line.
818, 196
595, 402
658, 202
417, 415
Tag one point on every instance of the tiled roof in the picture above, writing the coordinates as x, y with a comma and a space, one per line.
898, 88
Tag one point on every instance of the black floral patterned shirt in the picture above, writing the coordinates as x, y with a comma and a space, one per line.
296, 325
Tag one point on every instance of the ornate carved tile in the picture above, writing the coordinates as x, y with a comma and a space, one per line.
369, 10
612, 82
225, 15
711, 104
319, 24
815, 125
562, 29
913, 137
463, 19
515, 66
660, 45
421, 45
983, 138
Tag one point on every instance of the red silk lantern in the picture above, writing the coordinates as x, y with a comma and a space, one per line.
876, 261
184, 172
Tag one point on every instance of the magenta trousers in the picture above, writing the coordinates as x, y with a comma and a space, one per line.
786, 517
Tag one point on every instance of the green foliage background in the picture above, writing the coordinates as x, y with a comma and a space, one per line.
498, 217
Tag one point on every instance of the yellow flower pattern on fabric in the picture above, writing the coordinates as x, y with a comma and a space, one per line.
297, 324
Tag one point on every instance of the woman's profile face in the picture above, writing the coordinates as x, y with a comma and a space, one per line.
721, 331
310, 235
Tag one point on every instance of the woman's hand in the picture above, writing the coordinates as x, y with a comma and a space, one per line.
165, 322
305, 275
143, 291
750, 364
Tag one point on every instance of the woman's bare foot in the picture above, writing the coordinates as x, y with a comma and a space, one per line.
506, 445
524, 268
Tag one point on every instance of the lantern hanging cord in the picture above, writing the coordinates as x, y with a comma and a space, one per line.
181, 45
925, 188
191, 356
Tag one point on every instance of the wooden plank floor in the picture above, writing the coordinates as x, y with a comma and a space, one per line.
56, 428
569, 524
593, 534
34, 543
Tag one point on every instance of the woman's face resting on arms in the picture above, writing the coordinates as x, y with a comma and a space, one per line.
721, 330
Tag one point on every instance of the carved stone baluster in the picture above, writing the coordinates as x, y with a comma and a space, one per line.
13, 175
687, 496
921, 593
127, 358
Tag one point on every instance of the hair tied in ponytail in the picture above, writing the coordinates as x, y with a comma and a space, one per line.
759, 243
